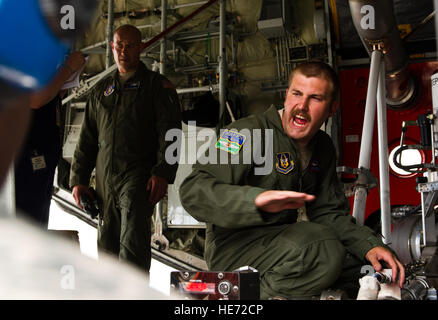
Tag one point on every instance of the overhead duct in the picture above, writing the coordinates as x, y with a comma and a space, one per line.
375, 23
275, 18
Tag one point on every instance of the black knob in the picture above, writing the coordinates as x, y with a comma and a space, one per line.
421, 180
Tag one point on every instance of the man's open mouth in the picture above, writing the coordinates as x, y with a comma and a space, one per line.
300, 120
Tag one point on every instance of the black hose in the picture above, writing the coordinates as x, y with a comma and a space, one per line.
409, 168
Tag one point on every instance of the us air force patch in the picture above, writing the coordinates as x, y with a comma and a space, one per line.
284, 163
230, 141
109, 90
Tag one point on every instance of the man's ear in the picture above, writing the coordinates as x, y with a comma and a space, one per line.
112, 45
333, 107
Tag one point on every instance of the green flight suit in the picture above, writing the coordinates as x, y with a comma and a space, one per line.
123, 137
295, 259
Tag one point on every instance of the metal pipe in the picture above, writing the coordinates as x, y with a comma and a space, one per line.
370, 106
367, 136
97, 45
432, 142
283, 39
283, 57
423, 219
281, 60
375, 23
222, 58
280, 56
109, 34
177, 6
385, 203
329, 33
230, 112
278, 59
163, 52
288, 64
74, 210
291, 45
420, 25
360, 197
212, 88
7, 195
435, 4
163, 56
146, 26
187, 55
434, 131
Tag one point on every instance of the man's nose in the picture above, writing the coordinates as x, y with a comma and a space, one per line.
123, 49
303, 104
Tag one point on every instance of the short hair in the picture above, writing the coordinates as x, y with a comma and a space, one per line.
129, 28
319, 69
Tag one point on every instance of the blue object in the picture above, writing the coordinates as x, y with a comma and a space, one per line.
29, 52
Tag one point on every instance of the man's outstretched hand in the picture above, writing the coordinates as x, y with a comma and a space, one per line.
278, 200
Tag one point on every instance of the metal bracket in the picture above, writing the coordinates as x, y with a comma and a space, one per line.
378, 45
427, 187
429, 197
364, 178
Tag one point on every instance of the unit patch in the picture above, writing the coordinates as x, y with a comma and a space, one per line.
284, 163
230, 141
109, 90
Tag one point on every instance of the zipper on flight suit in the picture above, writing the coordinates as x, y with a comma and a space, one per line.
117, 92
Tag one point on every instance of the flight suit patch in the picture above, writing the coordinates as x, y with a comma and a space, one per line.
231, 141
132, 85
284, 163
38, 162
314, 165
167, 84
109, 90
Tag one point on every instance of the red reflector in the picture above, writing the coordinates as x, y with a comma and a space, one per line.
199, 287
196, 286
